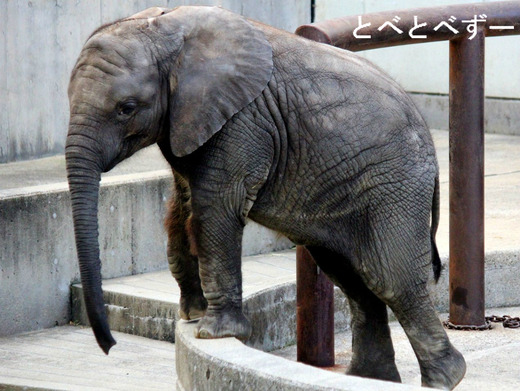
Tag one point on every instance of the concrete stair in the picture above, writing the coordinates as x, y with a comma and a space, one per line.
68, 358
38, 244
37, 250
147, 304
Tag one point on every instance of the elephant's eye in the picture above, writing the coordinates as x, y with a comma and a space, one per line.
126, 109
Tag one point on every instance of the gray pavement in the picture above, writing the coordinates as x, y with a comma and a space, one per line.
502, 191
67, 358
51, 170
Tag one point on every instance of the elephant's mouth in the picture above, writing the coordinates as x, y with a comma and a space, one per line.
130, 145
110, 166
125, 152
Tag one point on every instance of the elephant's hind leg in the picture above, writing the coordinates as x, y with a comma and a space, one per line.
182, 258
399, 253
372, 351
442, 365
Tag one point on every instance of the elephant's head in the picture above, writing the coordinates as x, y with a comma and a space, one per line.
159, 75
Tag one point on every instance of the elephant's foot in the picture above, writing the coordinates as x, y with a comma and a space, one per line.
192, 306
444, 373
375, 369
228, 323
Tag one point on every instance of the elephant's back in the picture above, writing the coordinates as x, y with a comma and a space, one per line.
350, 131
332, 82
340, 100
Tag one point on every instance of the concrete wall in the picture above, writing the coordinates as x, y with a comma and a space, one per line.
38, 254
423, 69
40, 41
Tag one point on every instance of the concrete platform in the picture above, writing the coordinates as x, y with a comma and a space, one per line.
491, 356
51, 170
67, 358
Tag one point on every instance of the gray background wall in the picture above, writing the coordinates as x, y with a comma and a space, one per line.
423, 69
40, 41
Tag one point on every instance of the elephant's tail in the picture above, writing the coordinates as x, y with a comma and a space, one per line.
436, 260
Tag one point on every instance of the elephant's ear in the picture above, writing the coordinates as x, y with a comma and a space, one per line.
224, 65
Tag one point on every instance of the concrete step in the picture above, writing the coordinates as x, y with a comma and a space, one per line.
68, 358
147, 304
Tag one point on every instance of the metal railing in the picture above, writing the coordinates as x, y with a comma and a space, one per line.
466, 26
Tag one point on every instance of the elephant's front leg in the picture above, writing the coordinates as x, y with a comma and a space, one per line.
218, 233
182, 256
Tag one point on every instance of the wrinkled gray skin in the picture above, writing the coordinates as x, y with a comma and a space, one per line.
303, 138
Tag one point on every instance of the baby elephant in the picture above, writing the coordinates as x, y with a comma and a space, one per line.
309, 140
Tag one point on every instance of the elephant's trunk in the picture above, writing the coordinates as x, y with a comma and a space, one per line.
84, 167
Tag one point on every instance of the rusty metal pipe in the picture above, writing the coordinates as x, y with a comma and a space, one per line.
314, 312
467, 304
339, 31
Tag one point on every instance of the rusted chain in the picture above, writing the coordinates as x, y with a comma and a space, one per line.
506, 320
449, 325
